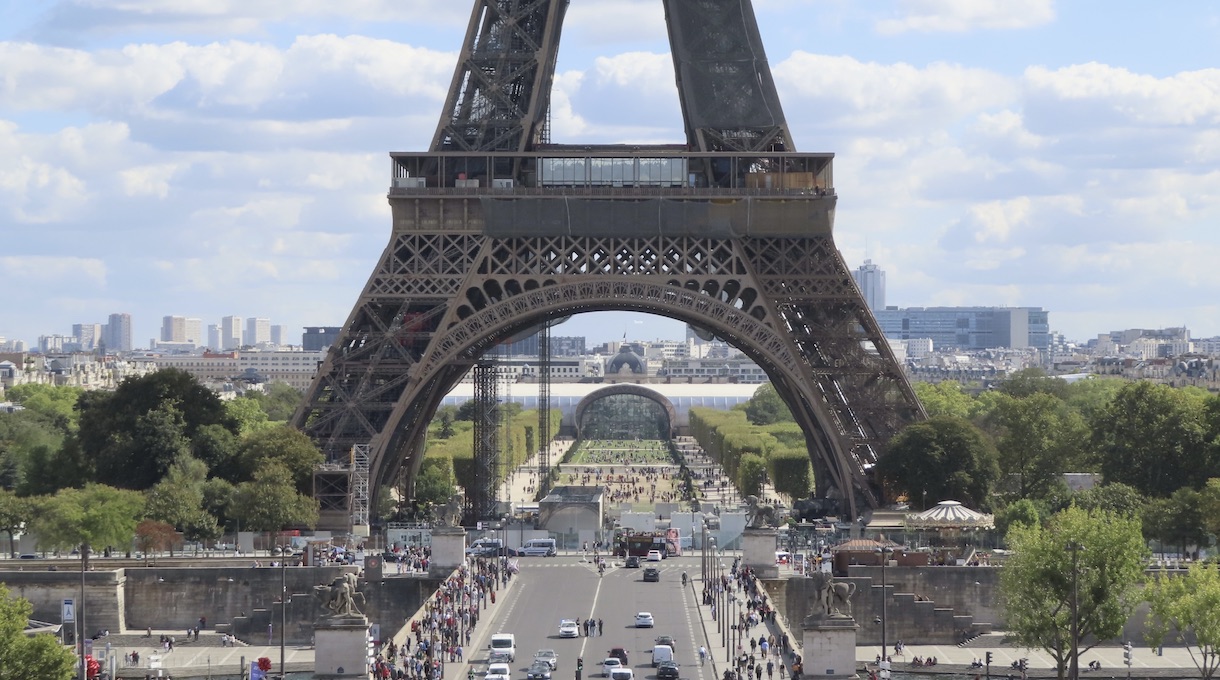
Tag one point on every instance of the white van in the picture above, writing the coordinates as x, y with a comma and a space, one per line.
661, 653
539, 547
503, 648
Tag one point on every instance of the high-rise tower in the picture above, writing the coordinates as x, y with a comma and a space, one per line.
497, 231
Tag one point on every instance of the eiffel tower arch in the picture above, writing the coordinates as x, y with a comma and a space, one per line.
496, 231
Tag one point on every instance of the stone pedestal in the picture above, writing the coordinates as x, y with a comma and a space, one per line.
341, 647
829, 647
758, 552
448, 549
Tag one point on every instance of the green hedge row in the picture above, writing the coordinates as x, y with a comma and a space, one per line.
745, 451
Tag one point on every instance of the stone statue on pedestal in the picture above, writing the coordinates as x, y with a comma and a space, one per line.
339, 598
829, 598
449, 514
759, 515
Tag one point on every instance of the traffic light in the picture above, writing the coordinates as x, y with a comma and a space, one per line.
580, 664
988, 658
1127, 653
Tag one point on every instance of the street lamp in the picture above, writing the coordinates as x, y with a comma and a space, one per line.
1074, 670
283, 609
885, 558
80, 610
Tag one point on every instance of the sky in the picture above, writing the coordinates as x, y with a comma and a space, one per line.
207, 158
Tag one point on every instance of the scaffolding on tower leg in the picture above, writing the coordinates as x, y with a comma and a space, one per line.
544, 410
360, 490
483, 500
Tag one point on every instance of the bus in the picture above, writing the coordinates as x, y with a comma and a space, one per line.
638, 544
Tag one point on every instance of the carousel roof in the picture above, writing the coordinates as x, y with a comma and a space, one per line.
950, 515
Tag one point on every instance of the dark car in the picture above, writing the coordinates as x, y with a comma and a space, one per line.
667, 670
539, 670
619, 653
652, 574
633, 561
667, 640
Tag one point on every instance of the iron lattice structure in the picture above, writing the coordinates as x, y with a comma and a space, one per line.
495, 233
544, 409
482, 499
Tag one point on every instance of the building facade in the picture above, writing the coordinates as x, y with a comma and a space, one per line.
230, 333
871, 280
968, 328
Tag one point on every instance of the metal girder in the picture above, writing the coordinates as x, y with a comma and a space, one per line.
757, 267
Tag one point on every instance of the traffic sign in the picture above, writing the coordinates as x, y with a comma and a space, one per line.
69, 611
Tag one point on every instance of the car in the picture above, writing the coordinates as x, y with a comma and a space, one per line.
633, 562
503, 648
619, 653
539, 670
548, 656
652, 574
568, 629
643, 620
609, 665
622, 674
498, 671
667, 640
28, 556
667, 670
654, 555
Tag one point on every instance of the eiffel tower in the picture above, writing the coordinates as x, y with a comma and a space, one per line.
496, 231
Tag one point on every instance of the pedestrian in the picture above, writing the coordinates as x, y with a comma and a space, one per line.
770, 668
599, 627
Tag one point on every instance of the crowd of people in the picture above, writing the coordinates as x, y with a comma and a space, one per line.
411, 558
442, 630
767, 652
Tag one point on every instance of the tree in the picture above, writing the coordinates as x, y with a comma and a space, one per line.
938, 459
1119, 499
1023, 512
15, 513
115, 426
22, 433
178, 498
57, 402
1152, 437
270, 502
1094, 558
1030, 381
1176, 521
22, 656
96, 515
217, 447
944, 398
1038, 438
1186, 606
766, 406
248, 414
791, 472
282, 445
446, 429
279, 401
436, 482
1209, 506
155, 536
751, 473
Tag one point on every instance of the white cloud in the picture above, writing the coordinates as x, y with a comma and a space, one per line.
1096, 96
848, 94
958, 16
34, 270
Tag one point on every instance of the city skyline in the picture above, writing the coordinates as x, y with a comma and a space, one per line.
1024, 153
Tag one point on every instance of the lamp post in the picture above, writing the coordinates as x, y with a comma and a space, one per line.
283, 610
885, 558
80, 610
1074, 668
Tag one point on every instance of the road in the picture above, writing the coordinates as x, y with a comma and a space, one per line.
550, 589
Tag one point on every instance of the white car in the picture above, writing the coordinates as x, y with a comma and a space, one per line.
568, 629
610, 665
498, 671
622, 674
654, 555
548, 656
643, 620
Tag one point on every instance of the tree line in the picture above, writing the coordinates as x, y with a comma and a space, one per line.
160, 456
